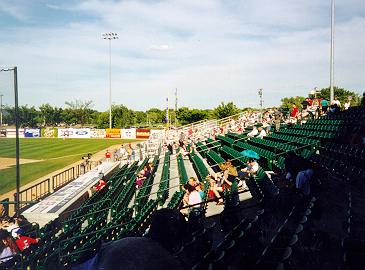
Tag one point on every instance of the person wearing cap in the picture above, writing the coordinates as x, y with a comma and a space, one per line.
24, 242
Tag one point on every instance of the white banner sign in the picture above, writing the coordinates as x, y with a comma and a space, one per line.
129, 133
97, 133
81, 133
156, 134
11, 133
65, 132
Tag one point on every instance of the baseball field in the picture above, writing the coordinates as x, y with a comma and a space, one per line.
41, 156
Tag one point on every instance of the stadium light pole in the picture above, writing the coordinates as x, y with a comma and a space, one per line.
332, 50
110, 36
261, 103
16, 116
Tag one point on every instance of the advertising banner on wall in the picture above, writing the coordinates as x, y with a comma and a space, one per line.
81, 133
11, 132
128, 133
2, 132
49, 132
142, 133
97, 133
112, 133
156, 134
65, 132
32, 133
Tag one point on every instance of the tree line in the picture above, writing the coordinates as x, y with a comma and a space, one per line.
81, 113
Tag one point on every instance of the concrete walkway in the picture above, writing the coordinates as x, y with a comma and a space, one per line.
157, 179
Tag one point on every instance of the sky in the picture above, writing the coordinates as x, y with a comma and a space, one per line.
211, 51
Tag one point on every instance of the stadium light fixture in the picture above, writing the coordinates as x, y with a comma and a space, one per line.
110, 36
16, 115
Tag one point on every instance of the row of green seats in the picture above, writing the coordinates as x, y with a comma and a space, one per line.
273, 145
182, 170
163, 193
293, 139
201, 169
306, 133
176, 200
233, 154
225, 140
214, 159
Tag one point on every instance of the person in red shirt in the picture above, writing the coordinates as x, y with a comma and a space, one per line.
24, 242
294, 112
108, 155
100, 185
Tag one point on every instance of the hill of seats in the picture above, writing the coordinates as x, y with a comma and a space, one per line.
276, 229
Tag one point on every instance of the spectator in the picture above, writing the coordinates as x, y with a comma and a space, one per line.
253, 133
302, 181
9, 247
346, 105
324, 105
251, 168
101, 170
100, 185
154, 252
24, 242
122, 152
215, 190
108, 155
294, 112
278, 115
130, 155
262, 133
336, 102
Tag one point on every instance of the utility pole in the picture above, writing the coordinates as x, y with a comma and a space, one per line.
261, 103
17, 150
332, 94
110, 37
176, 107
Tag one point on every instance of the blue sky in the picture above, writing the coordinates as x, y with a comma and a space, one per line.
211, 51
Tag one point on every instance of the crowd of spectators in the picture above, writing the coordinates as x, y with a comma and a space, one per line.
16, 234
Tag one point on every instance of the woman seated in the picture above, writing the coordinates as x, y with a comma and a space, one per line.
143, 175
8, 247
192, 199
215, 188
251, 168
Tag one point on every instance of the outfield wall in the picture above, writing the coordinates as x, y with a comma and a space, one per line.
83, 133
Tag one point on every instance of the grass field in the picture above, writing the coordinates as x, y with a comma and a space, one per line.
53, 153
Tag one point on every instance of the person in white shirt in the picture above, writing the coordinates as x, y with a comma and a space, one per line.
253, 133
262, 133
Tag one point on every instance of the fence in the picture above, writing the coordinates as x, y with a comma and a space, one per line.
34, 193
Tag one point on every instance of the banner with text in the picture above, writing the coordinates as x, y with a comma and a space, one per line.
11, 132
81, 133
128, 133
32, 133
97, 133
142, 133
112, 133
49, 132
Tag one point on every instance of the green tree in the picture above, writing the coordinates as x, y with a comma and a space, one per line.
342, 95
287, 102
225, 110
79, 111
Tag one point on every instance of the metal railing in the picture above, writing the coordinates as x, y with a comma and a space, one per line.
63, 178
34, 193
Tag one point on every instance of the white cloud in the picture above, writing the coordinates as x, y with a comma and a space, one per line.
212, 51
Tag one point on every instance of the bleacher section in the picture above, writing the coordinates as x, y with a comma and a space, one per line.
276, 228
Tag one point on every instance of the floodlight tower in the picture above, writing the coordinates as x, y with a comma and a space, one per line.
17, 149
261, 102
110, 36
332, 50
